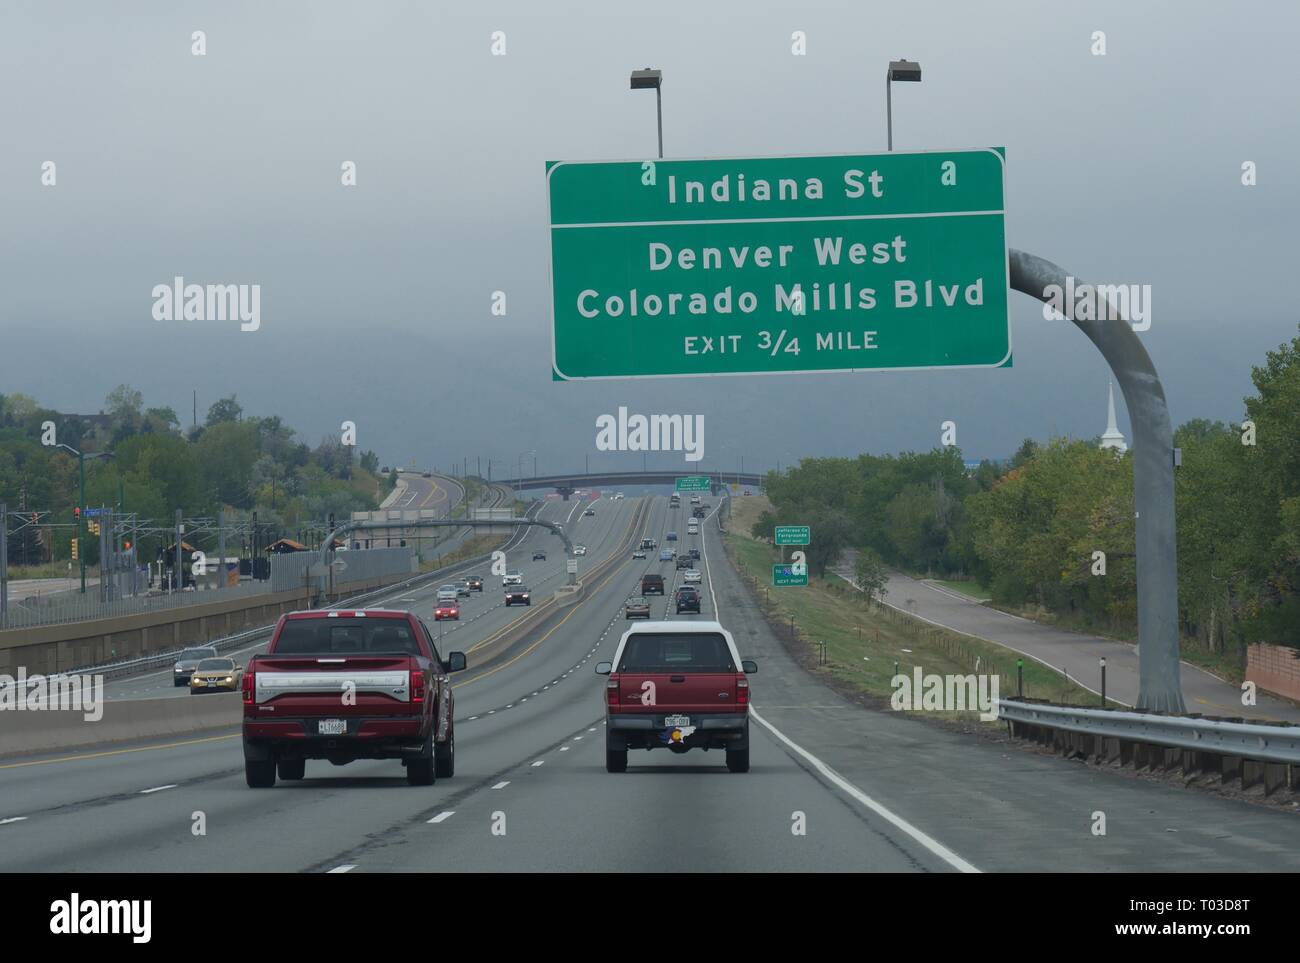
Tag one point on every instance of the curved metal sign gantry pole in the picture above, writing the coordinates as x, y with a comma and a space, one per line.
1160, 688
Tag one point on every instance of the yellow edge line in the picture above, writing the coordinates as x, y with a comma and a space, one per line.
117, 752
514, 622
605, 578
555, 628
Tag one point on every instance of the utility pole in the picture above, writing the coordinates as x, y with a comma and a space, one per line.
4, 562
221, 548
178, 577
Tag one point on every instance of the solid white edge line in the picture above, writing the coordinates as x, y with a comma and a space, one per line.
929, 842
502, 785
12, 819
445, 814
346, 867
144, 792
933, 845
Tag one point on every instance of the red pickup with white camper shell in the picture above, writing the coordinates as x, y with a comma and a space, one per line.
341, 686
677, 685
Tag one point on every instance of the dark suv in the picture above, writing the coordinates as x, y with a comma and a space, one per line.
687, 599
652, 583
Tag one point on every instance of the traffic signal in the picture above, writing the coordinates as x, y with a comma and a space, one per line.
126, 545
94, 527
76, 512
75, 556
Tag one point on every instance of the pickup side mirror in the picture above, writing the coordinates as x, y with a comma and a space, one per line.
604, 668
749, 666
455, 661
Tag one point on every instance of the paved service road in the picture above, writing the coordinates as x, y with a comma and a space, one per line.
873, 790
1072, 652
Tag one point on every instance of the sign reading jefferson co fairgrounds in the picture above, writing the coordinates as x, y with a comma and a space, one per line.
778, 264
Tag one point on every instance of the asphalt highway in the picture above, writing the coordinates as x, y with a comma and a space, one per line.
832, 786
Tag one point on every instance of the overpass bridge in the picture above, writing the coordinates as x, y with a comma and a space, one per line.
567, 484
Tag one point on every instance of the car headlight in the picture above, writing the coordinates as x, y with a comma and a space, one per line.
230, 678
178, 669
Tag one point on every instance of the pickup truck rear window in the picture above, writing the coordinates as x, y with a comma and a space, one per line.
347, 636
676, 652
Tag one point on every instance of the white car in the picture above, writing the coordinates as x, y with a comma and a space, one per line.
692, 577
447, 592
618, 496
580, 550
512, 578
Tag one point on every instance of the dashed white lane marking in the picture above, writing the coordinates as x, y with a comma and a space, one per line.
12, 819
511, 706
490, 711
346, 867
502, 785
538, 763
472, 718
564, 748
592, 729
144, 792
447, 814
577, 738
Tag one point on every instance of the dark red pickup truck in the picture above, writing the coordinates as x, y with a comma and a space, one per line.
679, 686
349, 685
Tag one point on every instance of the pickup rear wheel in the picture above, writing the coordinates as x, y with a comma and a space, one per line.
444, 757
616, 760
738, 760
420, 771
292, 768
259, 774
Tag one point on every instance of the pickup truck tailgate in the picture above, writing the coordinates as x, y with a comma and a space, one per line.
309, 685
677, 692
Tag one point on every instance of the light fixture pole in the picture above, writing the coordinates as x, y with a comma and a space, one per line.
644, 80
900, 70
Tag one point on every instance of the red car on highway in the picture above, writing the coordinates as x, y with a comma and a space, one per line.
341, 686
447, 610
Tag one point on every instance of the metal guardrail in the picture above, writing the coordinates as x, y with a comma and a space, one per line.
1266, 742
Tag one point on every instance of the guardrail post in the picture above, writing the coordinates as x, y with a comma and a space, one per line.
1020, 678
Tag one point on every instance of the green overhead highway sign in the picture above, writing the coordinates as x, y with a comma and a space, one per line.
784, 575
778, 264
693, 483
793, 535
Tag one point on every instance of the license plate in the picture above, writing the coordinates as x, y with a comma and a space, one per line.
676, 722
331, 727
212, 684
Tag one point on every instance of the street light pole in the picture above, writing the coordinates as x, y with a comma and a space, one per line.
644, 80
900, 70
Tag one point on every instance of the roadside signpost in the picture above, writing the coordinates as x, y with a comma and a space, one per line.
785, 575
693, 483
859, 262
793, 535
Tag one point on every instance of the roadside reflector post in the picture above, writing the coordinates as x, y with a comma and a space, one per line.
1020, 678
1103, 682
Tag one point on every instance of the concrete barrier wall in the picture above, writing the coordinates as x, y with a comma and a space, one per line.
28, 731
47, 649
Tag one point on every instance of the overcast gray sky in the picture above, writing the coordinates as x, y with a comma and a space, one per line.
376, 300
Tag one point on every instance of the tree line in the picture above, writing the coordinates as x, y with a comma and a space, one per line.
1027, 529
238, 463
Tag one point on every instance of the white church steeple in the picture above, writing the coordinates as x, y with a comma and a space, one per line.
1112, 438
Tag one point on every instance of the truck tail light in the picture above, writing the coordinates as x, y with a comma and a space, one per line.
742, 690
611, 692
246, 686
417, 685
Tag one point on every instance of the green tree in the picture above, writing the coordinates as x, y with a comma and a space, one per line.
871, 574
